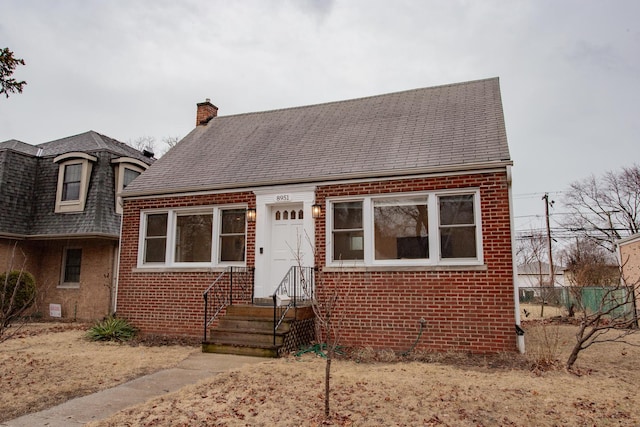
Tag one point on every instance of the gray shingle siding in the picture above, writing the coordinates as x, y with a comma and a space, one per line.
18, 174
99, 215
419, 131
28, 186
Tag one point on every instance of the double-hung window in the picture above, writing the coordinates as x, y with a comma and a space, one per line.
72, 177
205, 237
408, 229
71, 264
126, 169
74, 173
348, 235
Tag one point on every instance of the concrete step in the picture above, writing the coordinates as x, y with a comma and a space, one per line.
248, 338
266, 351
248, 324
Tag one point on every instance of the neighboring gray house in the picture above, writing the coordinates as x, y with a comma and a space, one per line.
60, 210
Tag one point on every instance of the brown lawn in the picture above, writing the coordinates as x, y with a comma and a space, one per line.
444, 390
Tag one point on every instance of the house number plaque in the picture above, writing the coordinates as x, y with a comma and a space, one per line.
283, 198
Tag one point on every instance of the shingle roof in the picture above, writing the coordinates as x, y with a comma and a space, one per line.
19, 146
415, 131
89, 142
28, 185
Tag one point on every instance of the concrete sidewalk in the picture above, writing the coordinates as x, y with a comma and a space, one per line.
103, 404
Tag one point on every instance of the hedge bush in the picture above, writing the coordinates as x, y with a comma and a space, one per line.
25, 294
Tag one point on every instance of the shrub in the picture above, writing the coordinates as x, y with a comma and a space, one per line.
112, 329
19, 285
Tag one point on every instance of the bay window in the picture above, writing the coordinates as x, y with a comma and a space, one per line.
187, 237
410, 229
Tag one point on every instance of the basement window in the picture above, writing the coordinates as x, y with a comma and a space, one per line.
71, 265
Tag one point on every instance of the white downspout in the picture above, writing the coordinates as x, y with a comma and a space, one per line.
116, 274
516, 296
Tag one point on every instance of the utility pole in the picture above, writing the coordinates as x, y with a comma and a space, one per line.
546, 214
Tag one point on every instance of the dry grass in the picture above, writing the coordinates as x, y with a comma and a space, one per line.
457, 390
532, 312
448, 390
47, 364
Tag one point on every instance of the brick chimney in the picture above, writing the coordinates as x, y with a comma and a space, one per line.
206, 112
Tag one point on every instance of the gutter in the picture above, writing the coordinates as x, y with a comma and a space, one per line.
59, 236
516, 296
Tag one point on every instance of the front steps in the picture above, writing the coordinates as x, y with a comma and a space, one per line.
248, 330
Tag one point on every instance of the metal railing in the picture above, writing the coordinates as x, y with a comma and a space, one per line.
296, 287
234, 284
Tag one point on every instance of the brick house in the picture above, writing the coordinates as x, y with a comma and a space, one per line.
401, 202
60, 218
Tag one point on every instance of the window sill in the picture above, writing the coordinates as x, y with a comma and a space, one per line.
69, 286
219, 269
409, 268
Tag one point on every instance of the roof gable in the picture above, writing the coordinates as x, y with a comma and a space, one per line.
416, 131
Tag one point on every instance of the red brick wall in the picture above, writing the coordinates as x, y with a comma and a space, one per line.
464, 309
168, 303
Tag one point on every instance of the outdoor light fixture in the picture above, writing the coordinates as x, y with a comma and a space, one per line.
316, 210
251, 215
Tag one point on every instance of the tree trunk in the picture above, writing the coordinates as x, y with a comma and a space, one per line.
327, 377
573, 356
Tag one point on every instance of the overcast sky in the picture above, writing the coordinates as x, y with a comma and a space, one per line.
569, 70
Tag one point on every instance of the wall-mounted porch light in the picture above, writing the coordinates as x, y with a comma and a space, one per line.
316, 210
251, 215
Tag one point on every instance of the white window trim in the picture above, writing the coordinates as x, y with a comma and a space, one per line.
63, 284
86, 160
433, 231
171, 235
121, 164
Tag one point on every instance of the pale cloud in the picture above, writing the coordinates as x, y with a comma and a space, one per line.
569, 70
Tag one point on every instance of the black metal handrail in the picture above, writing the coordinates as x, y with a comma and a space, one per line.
233, 284
296, 286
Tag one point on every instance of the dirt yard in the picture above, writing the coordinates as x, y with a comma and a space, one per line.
444, 390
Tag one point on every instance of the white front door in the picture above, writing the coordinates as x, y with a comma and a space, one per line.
289, 247
284, 229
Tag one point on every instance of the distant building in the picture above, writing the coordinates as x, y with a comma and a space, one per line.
535, 275
60, 218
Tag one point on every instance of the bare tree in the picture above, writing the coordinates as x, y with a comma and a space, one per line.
532, 254
589, 264
610, 317
169, 142
612, 321
17, 295
605, 209
143, 143
8, 64
328, 317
